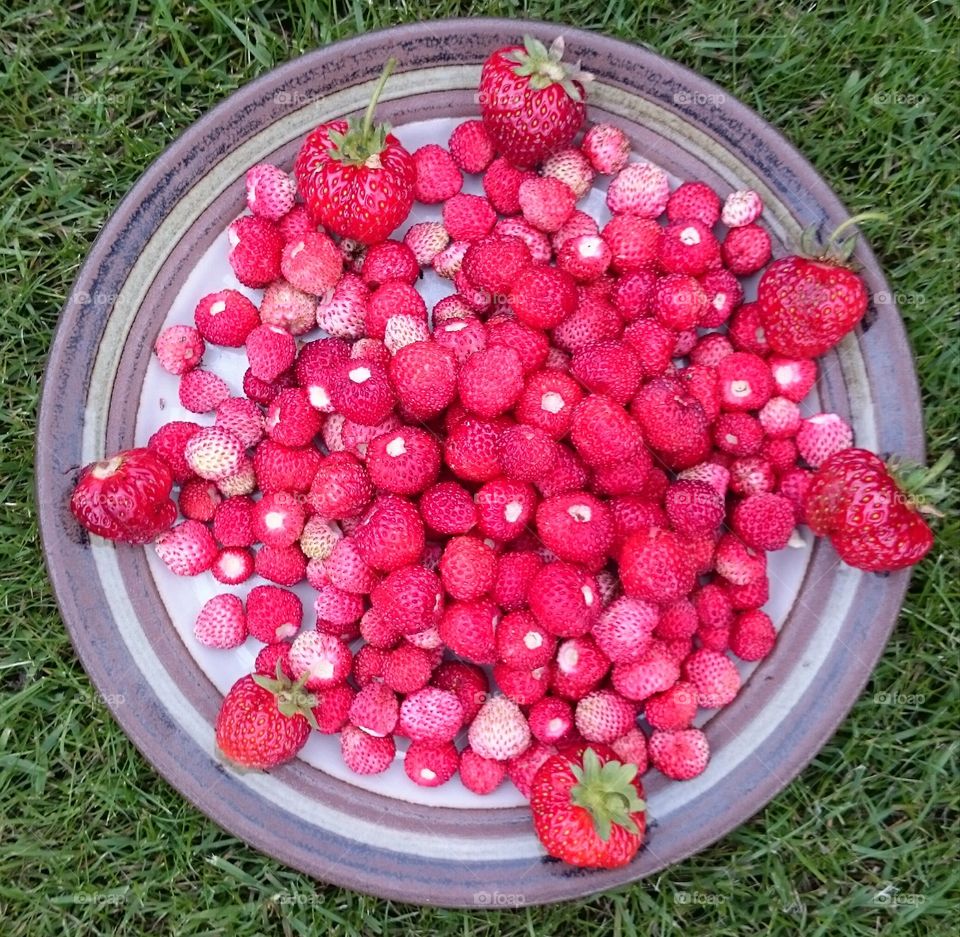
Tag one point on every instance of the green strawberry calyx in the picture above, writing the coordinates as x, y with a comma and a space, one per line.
362, 143
924, 488
545, 67
291, 696
607, 793
839, 246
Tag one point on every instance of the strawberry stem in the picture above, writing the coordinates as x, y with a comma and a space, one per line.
361, 144
367, 124
919, 482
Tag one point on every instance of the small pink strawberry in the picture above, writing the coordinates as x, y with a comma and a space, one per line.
680, 755
179, 349
221, 622
468, 217
366, 754
187, 549
639, 189
375, 709
202, 391
570, 167
271, 351
821, 436
741, 208
312, 264
607, 148
324, 659
426, 240
715, 677
430, 764
478, 774
437, 176
673, 709
232, 566
546, 202
213, 453
270, 191
603, 716
255, 248
471, 147
431, 715
499, 730
746, 249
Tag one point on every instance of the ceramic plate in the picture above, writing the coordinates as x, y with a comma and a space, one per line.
131, 620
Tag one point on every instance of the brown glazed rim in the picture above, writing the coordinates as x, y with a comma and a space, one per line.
887, 387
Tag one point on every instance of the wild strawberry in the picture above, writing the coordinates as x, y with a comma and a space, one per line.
570, 167
680, 755
526, 452
470, 146
437, 175
393, 298
404, 461
168, 444
576, 526
490, 381
504, 507
480, 775
524, 687
221, 622
715, 677
530, 344
542, 297
551, 720
547, 402
602, 716
431, 715
448, 508
712, 473
271, 351
468, 629
361, 391
264, 721
678, 620
780, 418
610, 368
751, 475
607, 148
179, 349
679, 301
745, 250
242, 418
233, 522
603, 432
323, 659
426, 240
568, 474
752, 636
580, 667
187, 549
515, 572
821, 436
745, 381
285, 566
652, 672
198, 499
366, 754
125, 497
532, 103
654, 566
634, 242
347, 570
288, 308
537, 242
468, 217
585, 257
389, 260
501, 185
694, 201
738, 433
343, 312
410, 597
579, 224
624, 628
493, 263
745, 330
546, 202
241, 482
270, 191
738, 563
430, 764
467, 681
313, 264
499, 730
255, 249
381, 631
278, 519
295, 223
291, 420
522, 642
793, 378
673, 709
639, 189
688, 247
268, 658
232, 566
672, 420
564, 598
780, 453
764, 521
375, 709
280, 468
724, 296
357, 179
390, 534
448, 262
594, 320
653, 344
226, 318
202, 391
467, 568
694, 507
471, 450
741, 208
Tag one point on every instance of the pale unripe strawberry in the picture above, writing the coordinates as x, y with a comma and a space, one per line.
270, 191
572, 168
214, 453
179, 348
288, 308
221, 622
187, 549
607, 148
639, 189
499, 730
426, 239
741, 208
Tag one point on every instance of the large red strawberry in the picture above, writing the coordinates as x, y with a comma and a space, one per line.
807, 305
874, 519
357, 179
125, 497
265, 721
588, 808
531, 101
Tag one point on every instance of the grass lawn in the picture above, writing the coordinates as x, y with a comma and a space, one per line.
93, 842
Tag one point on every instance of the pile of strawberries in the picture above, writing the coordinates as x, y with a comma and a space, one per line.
532, 514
